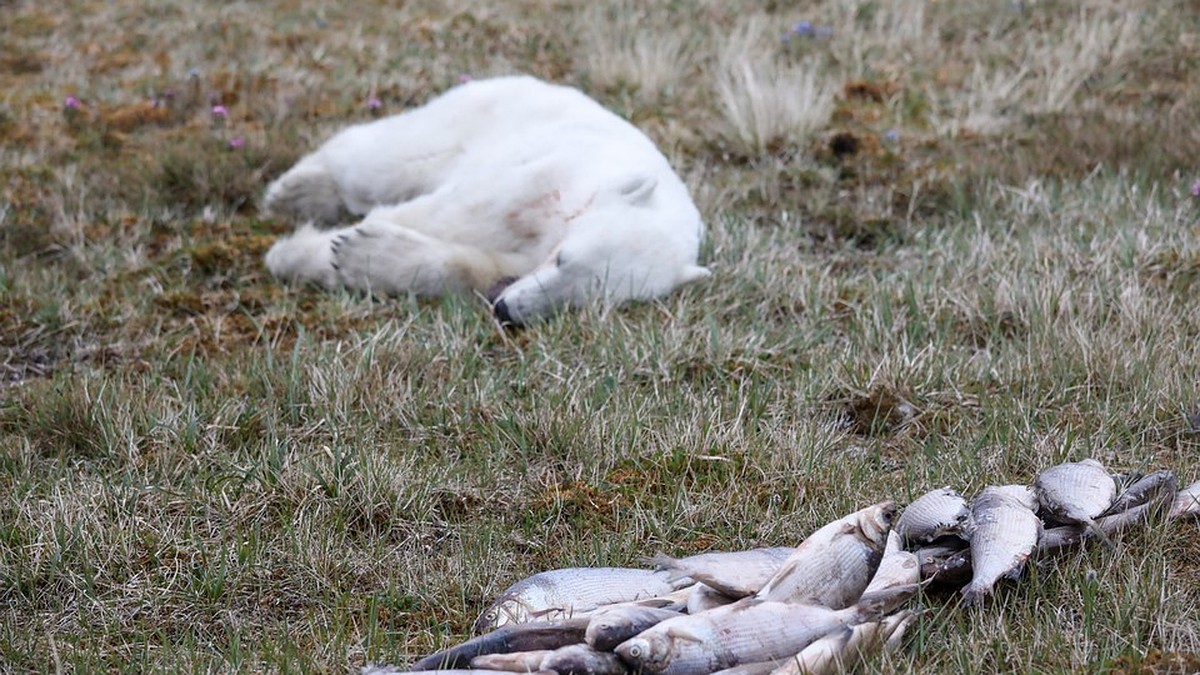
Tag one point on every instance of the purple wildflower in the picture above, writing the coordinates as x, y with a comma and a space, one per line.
804, 29
891, 136
1196, 189
220, 111
374, 104
236, 142
464, 78
72, 103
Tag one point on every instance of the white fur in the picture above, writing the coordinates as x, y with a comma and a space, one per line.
495, 179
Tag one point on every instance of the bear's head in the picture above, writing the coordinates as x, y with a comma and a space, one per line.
636, 241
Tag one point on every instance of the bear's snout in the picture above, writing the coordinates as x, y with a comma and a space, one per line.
500, 309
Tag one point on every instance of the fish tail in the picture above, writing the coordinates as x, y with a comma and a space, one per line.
661, 562
973, 594
1101, 535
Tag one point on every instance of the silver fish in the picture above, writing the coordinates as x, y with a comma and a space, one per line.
1076, 492
376, 669
1004, 530
736, 574
1058, 539
834, 565
750, 630
610, 626
572, 592
842, 649
1187, 502
523, 637
583, 660
515, 662
1146, 488
1154, 497
934, 514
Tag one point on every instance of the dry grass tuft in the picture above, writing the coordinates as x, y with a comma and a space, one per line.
768, 104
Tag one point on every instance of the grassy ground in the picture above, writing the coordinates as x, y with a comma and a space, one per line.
953, 243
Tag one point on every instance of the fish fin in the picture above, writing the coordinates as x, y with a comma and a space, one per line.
540, 613
1016, 572
768, 590
661, 561
683, 634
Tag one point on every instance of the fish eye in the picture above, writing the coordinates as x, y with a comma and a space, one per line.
490, 615
635, 652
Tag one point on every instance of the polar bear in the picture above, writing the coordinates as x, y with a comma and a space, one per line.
530, 193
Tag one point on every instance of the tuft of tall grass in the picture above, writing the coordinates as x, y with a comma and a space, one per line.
767, 103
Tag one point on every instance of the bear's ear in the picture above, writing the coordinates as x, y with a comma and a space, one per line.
693, 273
638, 189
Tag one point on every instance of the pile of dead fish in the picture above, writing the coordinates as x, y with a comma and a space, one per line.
835, 599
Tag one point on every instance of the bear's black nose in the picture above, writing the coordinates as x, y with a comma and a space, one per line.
500, 309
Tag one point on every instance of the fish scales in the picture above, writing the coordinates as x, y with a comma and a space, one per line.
750, 630
842, 649
735, 574
393, 670
571, 591
1187, 502
823, 655
1004, 531
1058, 539
935, 514
834, 565
896, 568
1150, 487
1075, 492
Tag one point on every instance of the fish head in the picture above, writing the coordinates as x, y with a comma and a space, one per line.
874, 523
600, 630
507, 610
647, 653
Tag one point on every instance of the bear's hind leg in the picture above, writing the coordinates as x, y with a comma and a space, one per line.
378, 256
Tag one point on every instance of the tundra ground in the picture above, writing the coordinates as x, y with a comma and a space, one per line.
953, 243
